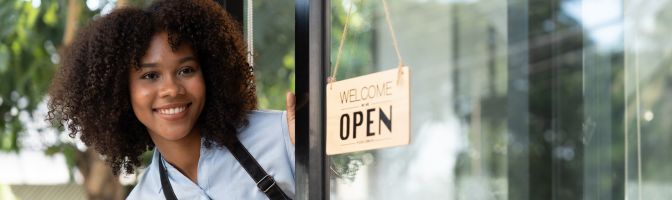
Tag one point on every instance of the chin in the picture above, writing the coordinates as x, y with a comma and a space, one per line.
173, 134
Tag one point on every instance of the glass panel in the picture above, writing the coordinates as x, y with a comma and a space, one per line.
648, 82
273, 33
516, 99
456, 51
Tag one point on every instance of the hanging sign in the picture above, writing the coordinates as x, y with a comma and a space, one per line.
369, 112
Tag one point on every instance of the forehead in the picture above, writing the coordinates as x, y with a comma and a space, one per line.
160, 51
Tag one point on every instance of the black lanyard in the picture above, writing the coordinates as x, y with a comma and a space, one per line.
265, 182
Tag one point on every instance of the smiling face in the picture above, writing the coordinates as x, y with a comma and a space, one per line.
167, 91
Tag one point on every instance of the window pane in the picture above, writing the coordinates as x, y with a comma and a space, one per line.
515, 99
648, 105
456, 51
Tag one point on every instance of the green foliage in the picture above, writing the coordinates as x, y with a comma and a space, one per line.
28, 57
31, 40
358, 48
274, 52
345, 166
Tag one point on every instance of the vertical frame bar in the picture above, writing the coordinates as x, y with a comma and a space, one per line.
604, 175
546, 102
312, 64
517, 108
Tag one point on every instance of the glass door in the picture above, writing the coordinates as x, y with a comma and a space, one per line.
457, 55
517, 99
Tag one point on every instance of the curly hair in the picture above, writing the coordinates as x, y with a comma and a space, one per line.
90, 92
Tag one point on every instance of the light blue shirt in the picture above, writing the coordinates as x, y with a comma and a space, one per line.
220, 176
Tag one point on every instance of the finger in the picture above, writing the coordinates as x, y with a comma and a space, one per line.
291, 114
291, 105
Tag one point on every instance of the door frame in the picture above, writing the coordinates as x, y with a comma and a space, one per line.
312, 40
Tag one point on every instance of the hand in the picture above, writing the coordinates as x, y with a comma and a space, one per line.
291, 114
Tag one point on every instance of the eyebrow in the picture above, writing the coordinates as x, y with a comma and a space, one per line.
188, 58
182, 60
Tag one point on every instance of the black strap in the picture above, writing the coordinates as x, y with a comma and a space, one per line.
265, 182
165, 183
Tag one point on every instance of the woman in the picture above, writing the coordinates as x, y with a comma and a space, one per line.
174, 77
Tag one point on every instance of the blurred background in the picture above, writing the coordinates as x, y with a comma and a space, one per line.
38, 161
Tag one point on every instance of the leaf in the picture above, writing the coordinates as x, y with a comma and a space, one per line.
32, 13
4, 58
52, 150
51, 15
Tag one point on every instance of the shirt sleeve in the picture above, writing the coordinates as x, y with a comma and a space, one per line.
289, 147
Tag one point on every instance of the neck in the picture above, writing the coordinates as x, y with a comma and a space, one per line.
183, 154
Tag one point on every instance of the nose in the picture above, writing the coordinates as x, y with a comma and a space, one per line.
171, 87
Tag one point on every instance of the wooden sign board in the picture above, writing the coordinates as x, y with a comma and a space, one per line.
368, 112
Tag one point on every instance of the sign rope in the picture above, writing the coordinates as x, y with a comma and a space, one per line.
390, 28
250, 32
394, 40
340, 45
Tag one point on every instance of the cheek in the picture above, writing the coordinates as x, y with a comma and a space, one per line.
196, 87
141, 99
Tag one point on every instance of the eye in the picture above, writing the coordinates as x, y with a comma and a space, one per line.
186, 71
150, 76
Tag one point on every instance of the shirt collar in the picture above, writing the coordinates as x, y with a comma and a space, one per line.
206, 153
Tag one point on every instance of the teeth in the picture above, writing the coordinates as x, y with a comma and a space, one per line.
172, 111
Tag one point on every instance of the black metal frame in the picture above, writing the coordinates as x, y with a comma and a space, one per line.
312, 65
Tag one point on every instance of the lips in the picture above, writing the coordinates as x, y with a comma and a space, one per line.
172, 111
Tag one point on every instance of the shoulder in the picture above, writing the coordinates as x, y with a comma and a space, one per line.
265, 124
265, 129
147, 187
266, 116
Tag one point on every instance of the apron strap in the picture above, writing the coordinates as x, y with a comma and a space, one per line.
165, 183
265, 182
